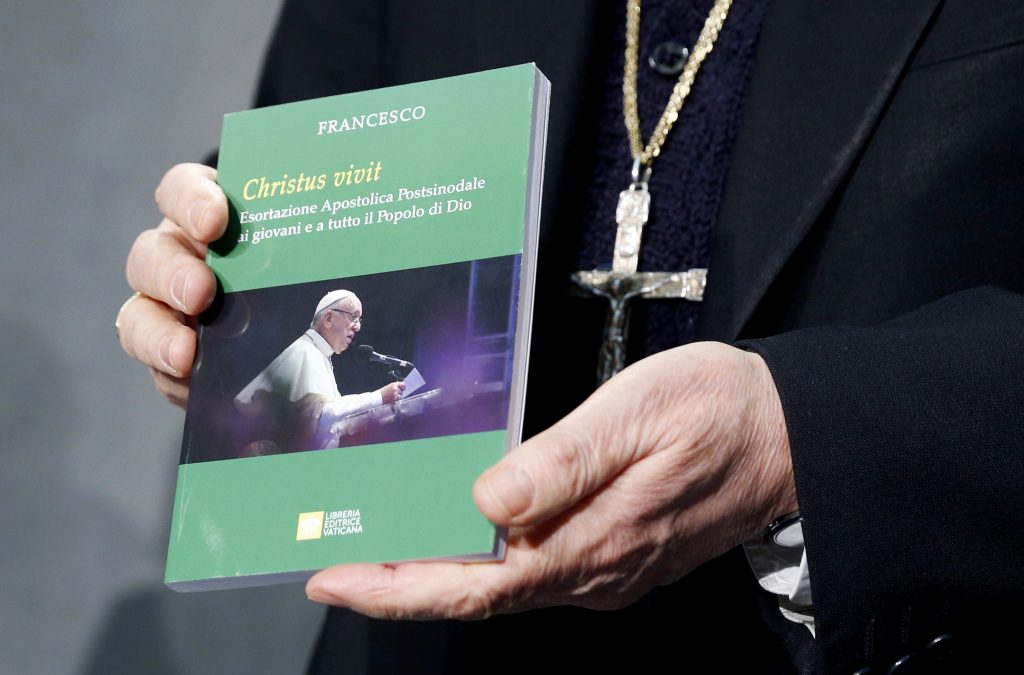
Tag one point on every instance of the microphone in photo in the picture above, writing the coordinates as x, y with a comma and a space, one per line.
393, 364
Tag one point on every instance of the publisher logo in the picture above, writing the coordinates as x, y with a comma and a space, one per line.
321, 524
311, 525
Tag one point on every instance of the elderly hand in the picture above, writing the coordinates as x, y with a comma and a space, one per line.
675, 460
166, 267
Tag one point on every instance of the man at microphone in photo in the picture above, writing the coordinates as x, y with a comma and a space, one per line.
297, 393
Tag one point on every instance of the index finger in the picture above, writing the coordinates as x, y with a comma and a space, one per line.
189, 196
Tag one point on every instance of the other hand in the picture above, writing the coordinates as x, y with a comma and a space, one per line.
165, 265
390, 393
674, 461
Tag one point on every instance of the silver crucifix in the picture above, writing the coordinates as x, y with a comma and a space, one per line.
623, 283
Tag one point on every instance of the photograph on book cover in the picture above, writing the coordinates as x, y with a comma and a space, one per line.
310, 366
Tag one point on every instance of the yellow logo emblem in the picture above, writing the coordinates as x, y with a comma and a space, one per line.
311, 525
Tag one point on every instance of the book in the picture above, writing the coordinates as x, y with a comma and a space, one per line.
376, 237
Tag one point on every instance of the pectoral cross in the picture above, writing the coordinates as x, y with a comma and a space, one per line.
623, 283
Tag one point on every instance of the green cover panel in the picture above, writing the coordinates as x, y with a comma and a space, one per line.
240, 517
474, 127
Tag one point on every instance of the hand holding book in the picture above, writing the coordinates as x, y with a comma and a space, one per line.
569, 494
677, 459
672, 462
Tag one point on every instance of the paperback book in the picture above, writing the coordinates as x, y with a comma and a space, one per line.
365, 359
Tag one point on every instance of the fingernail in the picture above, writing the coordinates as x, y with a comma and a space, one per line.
512, 489
197, 213
179, 286
163, 353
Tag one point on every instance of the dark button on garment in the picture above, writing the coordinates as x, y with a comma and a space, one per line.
941, 646
942, 651
908, 664
668, 58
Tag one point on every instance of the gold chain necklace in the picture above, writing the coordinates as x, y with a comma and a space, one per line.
622, 284
705, 43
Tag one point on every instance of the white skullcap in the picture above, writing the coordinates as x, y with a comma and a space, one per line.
333, 297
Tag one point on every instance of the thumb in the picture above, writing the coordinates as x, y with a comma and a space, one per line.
551, 472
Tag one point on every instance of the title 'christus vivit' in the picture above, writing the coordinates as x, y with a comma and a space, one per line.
261, 188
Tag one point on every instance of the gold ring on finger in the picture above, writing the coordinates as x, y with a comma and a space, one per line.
117, 319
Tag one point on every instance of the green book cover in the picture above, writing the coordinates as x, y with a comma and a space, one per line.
374, 238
